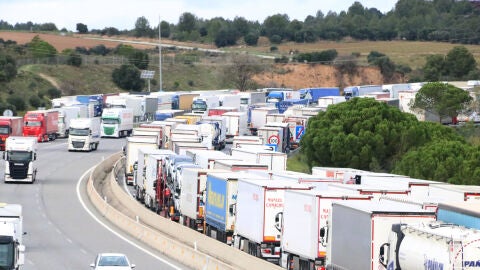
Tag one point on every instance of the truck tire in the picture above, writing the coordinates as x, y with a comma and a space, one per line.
95, 146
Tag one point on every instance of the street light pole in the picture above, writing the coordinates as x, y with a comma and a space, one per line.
160, 53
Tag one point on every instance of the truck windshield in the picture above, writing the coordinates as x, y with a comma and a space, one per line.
4, 130
110, 121
244, 101
6, 255
79, 131
33, 123
19, 156
200, 106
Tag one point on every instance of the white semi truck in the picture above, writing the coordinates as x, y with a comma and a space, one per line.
20, 159
134, 143
117, 122
84, 134
432, 245
11, 234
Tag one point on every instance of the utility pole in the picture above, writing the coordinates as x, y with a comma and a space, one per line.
160, 54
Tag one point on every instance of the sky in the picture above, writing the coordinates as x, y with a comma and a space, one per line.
99, 14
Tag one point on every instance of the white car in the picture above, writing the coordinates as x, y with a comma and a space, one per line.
111, 261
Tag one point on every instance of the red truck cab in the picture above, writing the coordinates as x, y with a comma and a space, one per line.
42, 124
10, 126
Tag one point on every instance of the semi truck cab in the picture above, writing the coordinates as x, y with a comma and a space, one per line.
20, 155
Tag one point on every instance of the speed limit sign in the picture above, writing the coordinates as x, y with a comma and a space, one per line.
273, 139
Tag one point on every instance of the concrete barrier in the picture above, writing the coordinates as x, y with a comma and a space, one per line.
170, 238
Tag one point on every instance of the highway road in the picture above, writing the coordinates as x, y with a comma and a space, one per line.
63, 230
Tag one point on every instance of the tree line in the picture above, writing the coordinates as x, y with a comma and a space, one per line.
415, 20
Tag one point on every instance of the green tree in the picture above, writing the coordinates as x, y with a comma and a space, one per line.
435, 67
18, 102
251, 39
8, 67
142, 27
127, 77
441, 99
139, 59
361, 133
82, 28
187, 22
40, 48
440, 160
459, 63
276, 25
225, 37
73, 58
165, 29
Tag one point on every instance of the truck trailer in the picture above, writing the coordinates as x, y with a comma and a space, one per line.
84, 134
20, 159
303, 247
258, 221
42, 124
11, 236
10, 126
134, 143
274, 160
116, 122
67, 113
432, 245
356, 245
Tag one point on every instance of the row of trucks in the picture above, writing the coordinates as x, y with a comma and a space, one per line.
304, 221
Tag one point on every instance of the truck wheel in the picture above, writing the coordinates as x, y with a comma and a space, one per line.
95, 146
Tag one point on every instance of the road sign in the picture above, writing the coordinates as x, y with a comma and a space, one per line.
299, 131
308, 96
7, 113
273, 139
273, 147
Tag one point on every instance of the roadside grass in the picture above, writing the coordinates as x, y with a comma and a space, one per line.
296, 163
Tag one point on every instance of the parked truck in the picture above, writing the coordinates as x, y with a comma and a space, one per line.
258, 117
314, 93
11, 236
193, 197
20, 159
280, 95
134, 143
183, 101
95, 102
275, 161
157, 194
258, 221
116, 122
302, 245
10, 126
215, 129
201, 104
433, 245
356, 246
236, 125
161, 115
220, 204
67, 113
360, 90
139, 169
42, 124
84, 134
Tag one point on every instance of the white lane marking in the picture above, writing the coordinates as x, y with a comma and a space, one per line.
112, 230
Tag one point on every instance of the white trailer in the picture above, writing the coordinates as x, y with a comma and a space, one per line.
148, 131
333, 172
206, 159
20, 159
375, 191
134, 143
258, 117
275, 117
274, 137
84, 134
258, 221
11, 235
166, 128
303, 247
140, 169
65, 114
229, 100
236, 125
320, 183
154, 176
238, 165
241, 141
116, 122
432, 245
355, 245
275, 161
181, 148
454, 193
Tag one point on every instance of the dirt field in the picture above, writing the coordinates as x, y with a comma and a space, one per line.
287, 75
